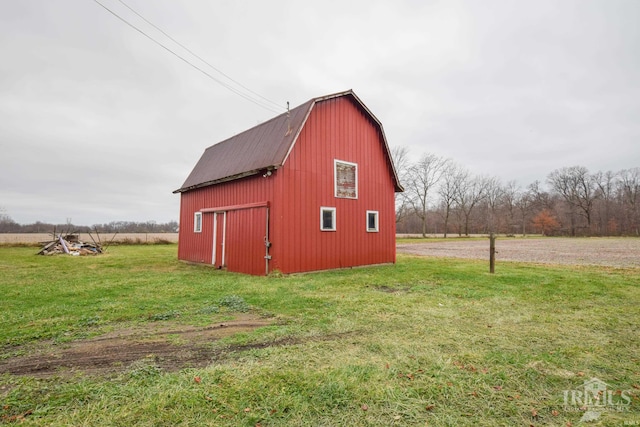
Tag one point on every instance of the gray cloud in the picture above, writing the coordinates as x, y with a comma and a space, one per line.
97, 123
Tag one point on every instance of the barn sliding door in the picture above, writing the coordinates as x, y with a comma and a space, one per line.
246, 231
239, 239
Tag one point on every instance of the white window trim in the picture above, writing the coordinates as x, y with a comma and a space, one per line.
335, 178
373, 230
197, 222
333, 211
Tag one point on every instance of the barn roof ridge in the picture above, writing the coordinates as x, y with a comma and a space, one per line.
264, 146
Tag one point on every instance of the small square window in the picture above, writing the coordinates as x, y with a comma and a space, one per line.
372, 221
197, 222
327, 219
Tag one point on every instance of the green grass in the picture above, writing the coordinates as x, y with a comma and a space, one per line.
435, 342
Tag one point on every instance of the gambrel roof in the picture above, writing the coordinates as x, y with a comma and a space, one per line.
265, 147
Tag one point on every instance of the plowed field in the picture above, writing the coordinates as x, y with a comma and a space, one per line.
610, 252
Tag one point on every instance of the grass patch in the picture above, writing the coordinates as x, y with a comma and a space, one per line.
20, 245
234, 303
435, 341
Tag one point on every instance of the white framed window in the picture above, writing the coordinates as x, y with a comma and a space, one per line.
345, 177
197, 222
327, 219
372, 221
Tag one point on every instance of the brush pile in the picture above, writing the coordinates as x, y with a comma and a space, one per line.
70, 245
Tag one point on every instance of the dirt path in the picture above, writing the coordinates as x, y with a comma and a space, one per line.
169, 349
148, 346
610, 252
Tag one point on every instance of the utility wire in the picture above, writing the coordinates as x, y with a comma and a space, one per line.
197, 56
232, 89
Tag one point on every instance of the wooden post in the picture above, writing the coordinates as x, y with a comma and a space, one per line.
492, 253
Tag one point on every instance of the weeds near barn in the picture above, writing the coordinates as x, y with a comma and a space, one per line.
425, 342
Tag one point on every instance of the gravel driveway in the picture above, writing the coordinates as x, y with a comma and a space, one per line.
612, 252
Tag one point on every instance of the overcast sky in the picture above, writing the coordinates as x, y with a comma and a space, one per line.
98, 123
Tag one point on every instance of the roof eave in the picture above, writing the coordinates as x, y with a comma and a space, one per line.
226, 179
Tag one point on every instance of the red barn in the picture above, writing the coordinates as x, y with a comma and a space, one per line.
311, 189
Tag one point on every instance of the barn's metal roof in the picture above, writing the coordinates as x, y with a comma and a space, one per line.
263, 147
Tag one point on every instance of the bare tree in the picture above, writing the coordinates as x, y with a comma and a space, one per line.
576, 187
510, 198
422, 177
605, 203
7, 225
494, 194
525, 203
630, 194
452, 175
469, 192
605, 186
540, 199
400, 157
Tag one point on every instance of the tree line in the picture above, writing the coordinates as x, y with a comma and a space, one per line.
8, 225
443, 197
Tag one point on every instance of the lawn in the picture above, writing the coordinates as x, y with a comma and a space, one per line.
427, 341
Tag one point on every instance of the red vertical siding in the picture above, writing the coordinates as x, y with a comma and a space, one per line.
198, 247
336, 129
195, 247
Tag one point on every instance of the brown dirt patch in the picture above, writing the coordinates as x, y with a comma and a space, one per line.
168, 348
391, 290
609, 252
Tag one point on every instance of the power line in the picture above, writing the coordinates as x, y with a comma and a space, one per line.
230, 88
196, 55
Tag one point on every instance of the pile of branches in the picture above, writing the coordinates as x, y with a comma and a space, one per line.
70, 245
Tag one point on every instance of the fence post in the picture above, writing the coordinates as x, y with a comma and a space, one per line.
492, 253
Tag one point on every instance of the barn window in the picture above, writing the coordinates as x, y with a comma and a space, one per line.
372, 221
346, 179
197, 222
327, 219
